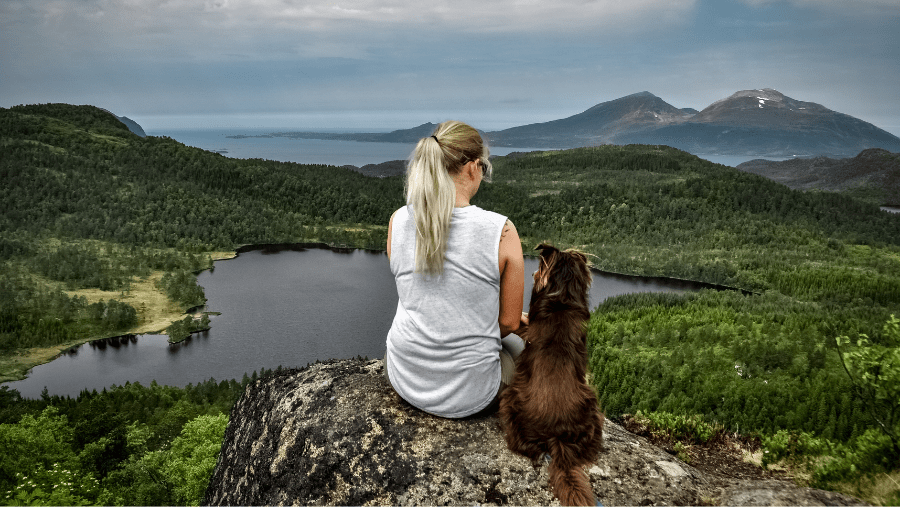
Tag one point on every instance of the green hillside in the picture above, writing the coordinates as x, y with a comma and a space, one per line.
94, 216
102, 231
822, 265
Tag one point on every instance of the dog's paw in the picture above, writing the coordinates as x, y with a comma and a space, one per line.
545, 459
538, 463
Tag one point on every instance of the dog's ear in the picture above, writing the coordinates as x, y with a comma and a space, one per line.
579, 257
546, 249
549, 254
582, 267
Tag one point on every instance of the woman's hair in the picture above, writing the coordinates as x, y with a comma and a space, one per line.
430, 189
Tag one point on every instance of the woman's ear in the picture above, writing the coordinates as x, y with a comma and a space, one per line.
472, 169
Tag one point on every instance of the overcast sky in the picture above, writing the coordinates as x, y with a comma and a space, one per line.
398, 63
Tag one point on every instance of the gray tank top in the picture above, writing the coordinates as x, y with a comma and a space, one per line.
443, 348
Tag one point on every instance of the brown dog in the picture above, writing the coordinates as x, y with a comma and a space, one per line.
549, 407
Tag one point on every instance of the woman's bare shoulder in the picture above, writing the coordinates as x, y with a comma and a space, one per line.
509, 230
510, 245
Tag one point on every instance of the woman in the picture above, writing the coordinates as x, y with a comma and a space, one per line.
460, 280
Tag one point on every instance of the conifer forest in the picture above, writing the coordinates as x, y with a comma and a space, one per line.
96, 223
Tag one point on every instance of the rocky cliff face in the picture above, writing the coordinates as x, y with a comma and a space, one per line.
336, 433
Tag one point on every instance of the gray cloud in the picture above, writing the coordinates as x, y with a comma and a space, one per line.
514, 59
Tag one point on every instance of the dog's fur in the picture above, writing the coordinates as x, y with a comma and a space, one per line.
549, 407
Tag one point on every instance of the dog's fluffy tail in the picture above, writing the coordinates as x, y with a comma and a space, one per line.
568, 480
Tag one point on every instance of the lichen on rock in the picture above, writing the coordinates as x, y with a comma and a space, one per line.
335, 433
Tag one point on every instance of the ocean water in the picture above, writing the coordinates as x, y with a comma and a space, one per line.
338, 153
304, 151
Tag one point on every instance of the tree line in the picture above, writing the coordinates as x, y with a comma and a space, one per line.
126, 445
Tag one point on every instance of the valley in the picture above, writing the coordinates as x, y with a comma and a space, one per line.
90, 206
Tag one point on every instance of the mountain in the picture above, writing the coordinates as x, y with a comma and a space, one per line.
763, 123
132, 125
128, 122
874, 170
598, 125
749, 122
408, 135
767, 122
601, 124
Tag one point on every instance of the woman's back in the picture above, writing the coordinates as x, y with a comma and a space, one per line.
459, 274
443, 347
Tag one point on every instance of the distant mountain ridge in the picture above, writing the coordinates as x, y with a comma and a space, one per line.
762, 122
132, 125
397, 136
875, 170
601, 124
769, 123
382, 170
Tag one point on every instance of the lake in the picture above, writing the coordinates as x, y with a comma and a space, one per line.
287, 308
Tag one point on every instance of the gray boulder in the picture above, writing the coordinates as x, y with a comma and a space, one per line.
336, 433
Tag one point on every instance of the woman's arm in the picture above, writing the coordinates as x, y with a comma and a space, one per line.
512, 280
390, 228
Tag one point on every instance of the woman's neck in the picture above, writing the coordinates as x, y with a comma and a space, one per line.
465, 190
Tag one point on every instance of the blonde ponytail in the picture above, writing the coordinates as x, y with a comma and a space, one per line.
430, 189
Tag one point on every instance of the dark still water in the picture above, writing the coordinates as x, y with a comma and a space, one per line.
288, 308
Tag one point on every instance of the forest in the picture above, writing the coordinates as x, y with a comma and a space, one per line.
96, 222
127, 445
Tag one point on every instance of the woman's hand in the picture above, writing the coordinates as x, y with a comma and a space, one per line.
522, 332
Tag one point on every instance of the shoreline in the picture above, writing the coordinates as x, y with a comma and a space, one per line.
18, 365
299, 247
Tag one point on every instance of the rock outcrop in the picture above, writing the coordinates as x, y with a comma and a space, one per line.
336, 433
